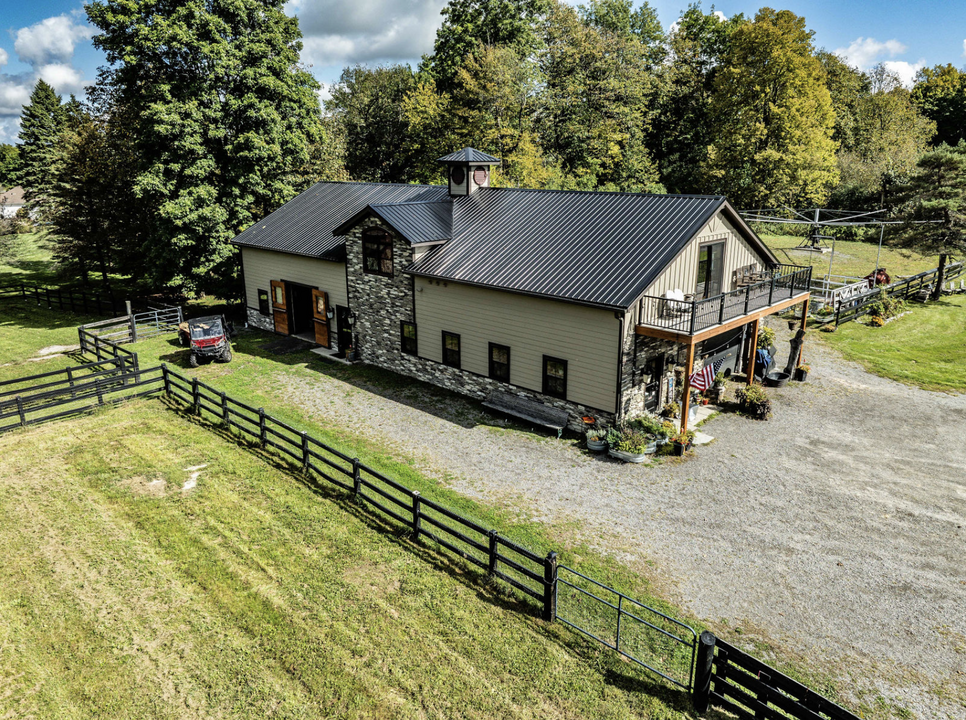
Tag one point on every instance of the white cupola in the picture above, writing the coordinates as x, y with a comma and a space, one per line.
468, 170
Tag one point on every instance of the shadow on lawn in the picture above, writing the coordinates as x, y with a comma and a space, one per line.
618, 672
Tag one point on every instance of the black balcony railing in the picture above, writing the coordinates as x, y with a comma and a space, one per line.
783, 282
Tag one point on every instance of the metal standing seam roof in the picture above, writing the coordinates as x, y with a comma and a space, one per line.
419, 222
593, 248
470, 155
304, 225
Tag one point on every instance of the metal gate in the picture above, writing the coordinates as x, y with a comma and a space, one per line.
640, 633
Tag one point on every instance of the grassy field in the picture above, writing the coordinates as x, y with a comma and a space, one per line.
852, 258
926, 347
125, 594
27, 259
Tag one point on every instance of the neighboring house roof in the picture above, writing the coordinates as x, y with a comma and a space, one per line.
469, 155
304, 225
12, 197
595, 248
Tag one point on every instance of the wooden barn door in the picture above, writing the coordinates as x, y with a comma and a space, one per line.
280, 307
320, 314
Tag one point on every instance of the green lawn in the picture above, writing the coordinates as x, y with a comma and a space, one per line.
852, 258
253, 594
27, 259
926, 347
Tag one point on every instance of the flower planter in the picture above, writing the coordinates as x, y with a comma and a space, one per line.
597, 445
632, 457
801, 375
680, 448
776, 379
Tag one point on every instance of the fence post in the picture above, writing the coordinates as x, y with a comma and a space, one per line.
747, 298
262, 435
491, 566
702, 672
356, 478
721, 310
20, 411
70, 382
167, 380
195, 396
224, 409
100, 392
47, 293
550, 587
305, 450
417, 524
134, 328
771, 290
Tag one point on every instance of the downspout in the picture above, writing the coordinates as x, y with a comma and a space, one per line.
620, 366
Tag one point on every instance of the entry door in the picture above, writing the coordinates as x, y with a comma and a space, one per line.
320, 310
280, 307
652, 391
710, 270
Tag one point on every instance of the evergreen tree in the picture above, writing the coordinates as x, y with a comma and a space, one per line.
934, 207
9, 165
774, 120
40, 128
224, 123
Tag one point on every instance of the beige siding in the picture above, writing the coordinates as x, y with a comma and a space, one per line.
262, 266
587, 338
682, 273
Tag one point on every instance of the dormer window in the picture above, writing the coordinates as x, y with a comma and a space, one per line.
377, 252
458, 175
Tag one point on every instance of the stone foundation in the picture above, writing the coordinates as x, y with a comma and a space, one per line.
262, 322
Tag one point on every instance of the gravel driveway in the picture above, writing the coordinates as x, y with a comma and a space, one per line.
837, 529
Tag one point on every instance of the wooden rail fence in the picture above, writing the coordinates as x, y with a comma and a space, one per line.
735, 681
86, 301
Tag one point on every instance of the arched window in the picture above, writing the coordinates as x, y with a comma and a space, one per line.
377, 252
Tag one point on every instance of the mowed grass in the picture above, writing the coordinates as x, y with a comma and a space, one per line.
27, 258
250, 595
926, 347
853, 258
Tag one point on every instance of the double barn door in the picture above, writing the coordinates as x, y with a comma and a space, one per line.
283, 299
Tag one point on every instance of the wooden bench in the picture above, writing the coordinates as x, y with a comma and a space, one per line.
530, 410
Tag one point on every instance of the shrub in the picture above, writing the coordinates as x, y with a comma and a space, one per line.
685, 438
597, 434
754, 401
629, 438
766, 338
671, 409
886, 307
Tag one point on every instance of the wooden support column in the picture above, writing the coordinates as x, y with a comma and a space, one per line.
686, 395
752, 351
801, 350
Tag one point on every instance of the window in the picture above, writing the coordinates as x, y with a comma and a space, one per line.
408, 334
710, 267
377, 252
500, 362
451, 349
264, 306
554, 377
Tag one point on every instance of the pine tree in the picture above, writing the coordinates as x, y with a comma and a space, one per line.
40, 128
934, 207
224, 122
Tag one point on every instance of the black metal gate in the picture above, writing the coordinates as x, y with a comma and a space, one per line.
640, 633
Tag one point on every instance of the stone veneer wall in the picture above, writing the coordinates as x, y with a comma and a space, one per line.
262, 322
633, 381
381, 303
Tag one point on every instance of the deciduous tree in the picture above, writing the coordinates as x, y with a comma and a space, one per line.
940, 93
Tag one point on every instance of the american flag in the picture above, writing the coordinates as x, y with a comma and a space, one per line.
702, 379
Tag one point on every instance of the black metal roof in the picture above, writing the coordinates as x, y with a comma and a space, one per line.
304, 225
470, 155
419, 222
594, 248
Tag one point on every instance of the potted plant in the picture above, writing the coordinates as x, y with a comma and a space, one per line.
631, 443
597, 439
670, 410
766, 338
682, 442
350, 354
801, 372
754, 401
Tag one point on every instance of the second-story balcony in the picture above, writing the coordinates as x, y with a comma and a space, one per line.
687, 319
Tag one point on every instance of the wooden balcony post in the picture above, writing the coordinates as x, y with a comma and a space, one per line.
751, 353
686, 395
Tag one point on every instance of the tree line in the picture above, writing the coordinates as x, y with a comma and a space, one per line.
203, 121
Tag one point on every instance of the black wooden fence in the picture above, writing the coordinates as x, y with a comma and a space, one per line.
855, 308
86, 301
733, 680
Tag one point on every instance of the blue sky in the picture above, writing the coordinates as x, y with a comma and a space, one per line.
51, 38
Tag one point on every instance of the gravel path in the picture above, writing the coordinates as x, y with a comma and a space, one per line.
838, 528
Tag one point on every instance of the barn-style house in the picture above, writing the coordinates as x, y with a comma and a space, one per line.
580, 302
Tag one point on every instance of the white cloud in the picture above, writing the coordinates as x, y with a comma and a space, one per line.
14, 93
64, 78
344, 32
51, 40
906, 71
865, 52
4, 58
674, 26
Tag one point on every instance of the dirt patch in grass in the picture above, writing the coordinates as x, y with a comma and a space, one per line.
140, 485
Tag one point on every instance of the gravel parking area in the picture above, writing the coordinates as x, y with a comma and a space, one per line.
836, 529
